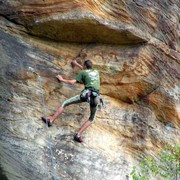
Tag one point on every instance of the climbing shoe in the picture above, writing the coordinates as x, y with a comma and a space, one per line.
78, 138
46, 120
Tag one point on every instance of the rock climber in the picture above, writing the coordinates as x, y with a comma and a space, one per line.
91, 80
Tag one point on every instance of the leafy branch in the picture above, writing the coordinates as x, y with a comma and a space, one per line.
167, 165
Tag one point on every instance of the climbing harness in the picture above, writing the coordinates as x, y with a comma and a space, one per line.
85, 95
88, 93
44, 107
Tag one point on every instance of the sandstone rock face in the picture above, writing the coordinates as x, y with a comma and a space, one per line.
133, 44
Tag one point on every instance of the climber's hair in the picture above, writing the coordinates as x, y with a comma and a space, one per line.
88, 64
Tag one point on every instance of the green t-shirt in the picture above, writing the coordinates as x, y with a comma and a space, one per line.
90, 78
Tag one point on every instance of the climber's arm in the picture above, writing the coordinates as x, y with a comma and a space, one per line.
60, 78
75, 63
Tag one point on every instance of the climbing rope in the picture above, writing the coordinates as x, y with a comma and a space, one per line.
45, 113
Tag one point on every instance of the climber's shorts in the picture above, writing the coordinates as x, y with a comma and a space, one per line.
93, 104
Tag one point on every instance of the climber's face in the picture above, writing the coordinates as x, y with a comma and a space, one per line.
84, 67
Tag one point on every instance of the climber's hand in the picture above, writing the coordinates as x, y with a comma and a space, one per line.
74, 63
59, 77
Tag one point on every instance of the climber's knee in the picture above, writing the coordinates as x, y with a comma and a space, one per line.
93, 113
73, 100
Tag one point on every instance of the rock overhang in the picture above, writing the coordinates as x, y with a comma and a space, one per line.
84, 28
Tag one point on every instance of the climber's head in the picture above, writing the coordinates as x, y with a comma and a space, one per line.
88, 64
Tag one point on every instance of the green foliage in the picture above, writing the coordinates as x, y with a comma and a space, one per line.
167, 166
